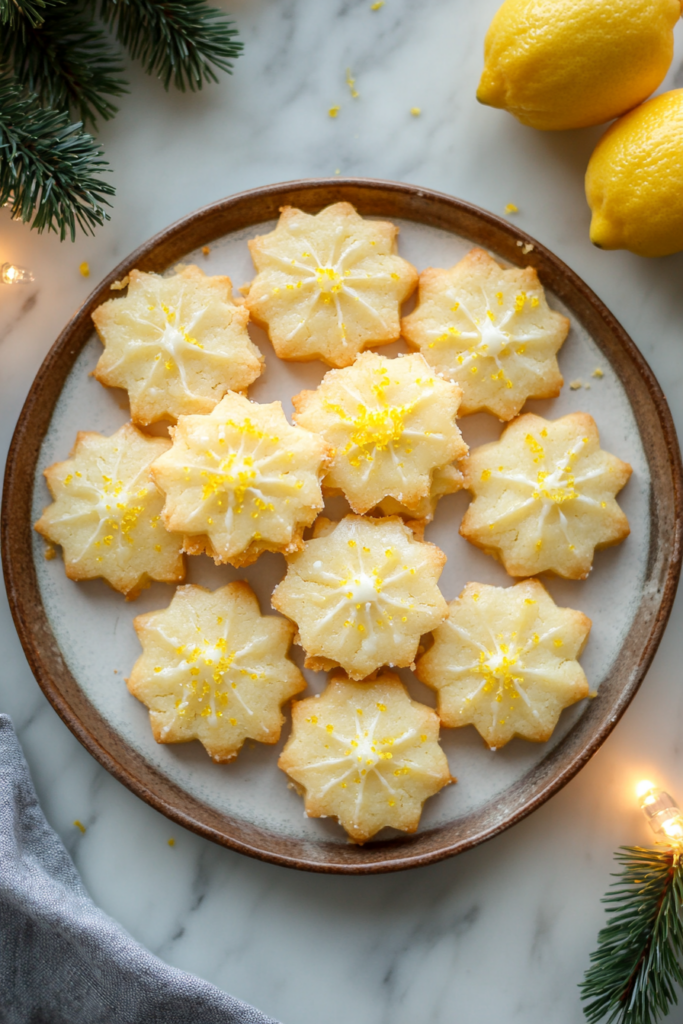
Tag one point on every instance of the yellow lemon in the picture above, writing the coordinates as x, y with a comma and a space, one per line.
634, 181
570, 63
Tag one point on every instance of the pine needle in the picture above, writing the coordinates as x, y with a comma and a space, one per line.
636, 968
67, 61
48, 167
179, 42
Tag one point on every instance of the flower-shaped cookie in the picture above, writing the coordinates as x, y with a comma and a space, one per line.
107, 512
505, 661
391, 423
491, 331
215, 670
176, 344
365, 754
445, 480
241, 481
328, 285
544, 496
362, 593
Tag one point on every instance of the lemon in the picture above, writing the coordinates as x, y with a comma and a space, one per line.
634, 181
571, 63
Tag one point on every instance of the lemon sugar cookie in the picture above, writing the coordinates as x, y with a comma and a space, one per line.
544, 496
505, 661
176, 344
362, 592
491, 331
214, 669
328, 285
106, 513
365, 754
241, 481
391, 423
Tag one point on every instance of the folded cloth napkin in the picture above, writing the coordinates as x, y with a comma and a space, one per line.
62, 960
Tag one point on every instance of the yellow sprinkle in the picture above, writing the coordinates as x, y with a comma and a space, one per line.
558, 642
416, 111
351, 82
486, 473
330, 728
511, 208
84, 269
333, 111
528, 600
597, 372
171, 842
80, 826
377, 5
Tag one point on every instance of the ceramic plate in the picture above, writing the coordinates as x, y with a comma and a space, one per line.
80, 641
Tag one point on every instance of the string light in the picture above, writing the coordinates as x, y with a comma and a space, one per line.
12, 274
661, 810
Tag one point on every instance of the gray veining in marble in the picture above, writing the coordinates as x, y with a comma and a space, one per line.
504, 931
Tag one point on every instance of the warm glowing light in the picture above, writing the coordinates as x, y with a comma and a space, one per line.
662, 812
11, 274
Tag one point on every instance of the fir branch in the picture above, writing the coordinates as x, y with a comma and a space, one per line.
179, 42
66, 60
48, 167
13, 11
636, 968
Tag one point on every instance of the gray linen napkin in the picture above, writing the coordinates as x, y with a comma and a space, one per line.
62, 960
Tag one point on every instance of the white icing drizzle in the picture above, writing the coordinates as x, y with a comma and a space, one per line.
492, 336
366, 752
331, 280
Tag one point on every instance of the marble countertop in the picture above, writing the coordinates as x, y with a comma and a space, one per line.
504, 931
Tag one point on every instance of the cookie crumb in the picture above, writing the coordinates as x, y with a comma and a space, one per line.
171, 842
592, 694
511, 208
80, 826
118, 286
84, 269
597, 372
576, 384
50, 553
333, 111
206, 249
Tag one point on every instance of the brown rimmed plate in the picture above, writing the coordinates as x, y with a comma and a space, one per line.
78, 654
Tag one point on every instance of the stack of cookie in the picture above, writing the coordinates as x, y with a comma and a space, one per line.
234, 479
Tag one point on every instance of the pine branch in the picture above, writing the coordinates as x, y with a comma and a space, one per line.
636, 968
13, 11
48, 167
179, 42
66, 60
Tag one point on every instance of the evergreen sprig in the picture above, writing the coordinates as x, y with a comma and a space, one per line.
636, 968
48, 167
12, 11
66, 60
180, 41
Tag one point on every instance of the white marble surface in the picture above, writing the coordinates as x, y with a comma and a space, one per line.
504, 931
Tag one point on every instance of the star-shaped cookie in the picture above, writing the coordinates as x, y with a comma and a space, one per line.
505, 661
362, 592
365, 754
215, 670
328, 285
491, 331
241, 481
544, 496
176, 344
106, 513
391, 423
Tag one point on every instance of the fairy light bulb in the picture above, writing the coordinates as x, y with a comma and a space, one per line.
12, 274
661, 810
